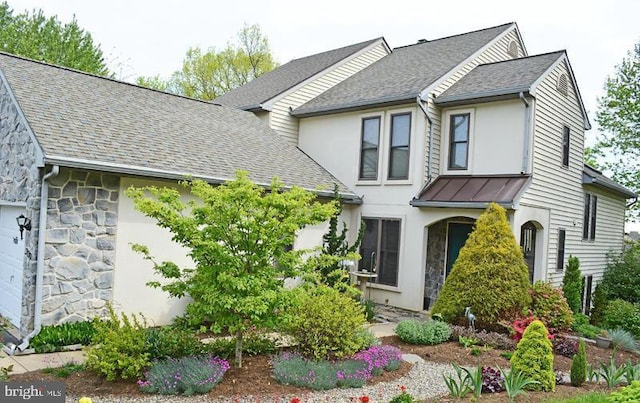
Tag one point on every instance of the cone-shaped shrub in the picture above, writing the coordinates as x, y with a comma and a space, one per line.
579, 366
534, 357
572, 284
490, 275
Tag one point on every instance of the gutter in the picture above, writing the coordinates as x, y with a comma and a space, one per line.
42, 225
426, 114
470, 205
525, 149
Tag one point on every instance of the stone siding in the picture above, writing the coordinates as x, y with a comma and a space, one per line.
20, 183
80, 247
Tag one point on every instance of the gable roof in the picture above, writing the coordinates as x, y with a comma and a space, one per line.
591, 176
402, 75
269, 85
499, 80
84, 121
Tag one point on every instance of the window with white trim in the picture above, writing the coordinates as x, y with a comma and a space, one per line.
562, 235
369, 148
459, 141
589, 217
400, 137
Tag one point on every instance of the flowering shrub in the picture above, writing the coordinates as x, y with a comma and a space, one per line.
294, 369
519, 325
189, 375
549, 305
492, 380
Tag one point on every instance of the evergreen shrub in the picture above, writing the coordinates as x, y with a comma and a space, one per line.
572, 284
489, 275
534, 357
579, 366
621, 314
630, 393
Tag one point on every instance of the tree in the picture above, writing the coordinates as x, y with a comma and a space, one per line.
489, 275
208, 75
238, 235
572, 284
330, 263
619, 116
46, 39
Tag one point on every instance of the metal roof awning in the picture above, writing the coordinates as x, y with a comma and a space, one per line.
471, 191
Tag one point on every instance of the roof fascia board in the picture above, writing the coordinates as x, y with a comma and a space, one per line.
132, 170
444, 77
358, 106
564, 58
594, 182
524, 49
473, 205
39, 150
268, 104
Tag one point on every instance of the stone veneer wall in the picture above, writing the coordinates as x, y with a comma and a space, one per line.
436, 257
80, 245
20, 183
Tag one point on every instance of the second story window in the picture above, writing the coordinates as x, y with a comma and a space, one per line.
370, 142
589, 217
399, 150
565, 146
459, 141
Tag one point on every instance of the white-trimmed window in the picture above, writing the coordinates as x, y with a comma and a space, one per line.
562, 237
589, 218
399, 147
566, 145
369, 148
459, 128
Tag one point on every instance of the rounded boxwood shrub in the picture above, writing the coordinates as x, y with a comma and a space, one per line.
430, 332
534, 357
489, 275
550, 306
326, 323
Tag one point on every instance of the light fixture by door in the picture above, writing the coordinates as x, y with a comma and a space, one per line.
24, 223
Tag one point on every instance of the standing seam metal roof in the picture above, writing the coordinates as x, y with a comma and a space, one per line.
401, 75
277, 81
75, 115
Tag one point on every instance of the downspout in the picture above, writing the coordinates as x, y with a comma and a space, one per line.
426, 114
42, 225
527, 118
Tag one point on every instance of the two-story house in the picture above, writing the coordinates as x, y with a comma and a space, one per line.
429, 134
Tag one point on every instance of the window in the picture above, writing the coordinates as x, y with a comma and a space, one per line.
562, 234
380, 249
458, 141
589, 218
369, 148
565, 146
399, 150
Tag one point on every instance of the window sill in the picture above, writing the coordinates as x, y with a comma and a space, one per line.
394, 182
384, 287
368, 183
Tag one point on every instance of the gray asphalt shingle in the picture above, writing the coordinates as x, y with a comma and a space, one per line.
79, 116
500, 78
401, 75
275, 82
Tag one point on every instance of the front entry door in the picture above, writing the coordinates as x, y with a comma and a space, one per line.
528, 245
457, 235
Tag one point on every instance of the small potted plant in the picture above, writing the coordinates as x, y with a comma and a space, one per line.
603, 339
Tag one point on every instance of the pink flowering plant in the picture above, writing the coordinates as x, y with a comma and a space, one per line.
186, 375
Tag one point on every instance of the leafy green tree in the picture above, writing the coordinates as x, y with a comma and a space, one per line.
37, 37
330, 263
572, 284
618, 148
238, 235
208, 75
489, 275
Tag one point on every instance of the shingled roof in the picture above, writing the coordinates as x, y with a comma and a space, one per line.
81, 120
251, 95
501, 79
591, 176
400, 76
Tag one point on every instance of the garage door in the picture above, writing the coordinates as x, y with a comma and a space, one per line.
11, 264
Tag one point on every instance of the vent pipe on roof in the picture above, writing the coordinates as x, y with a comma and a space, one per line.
422, 41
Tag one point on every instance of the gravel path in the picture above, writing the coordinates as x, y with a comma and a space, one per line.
423, 381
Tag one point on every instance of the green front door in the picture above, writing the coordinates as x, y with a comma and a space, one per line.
457, 234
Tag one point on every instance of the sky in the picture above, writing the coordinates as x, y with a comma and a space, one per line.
147, 38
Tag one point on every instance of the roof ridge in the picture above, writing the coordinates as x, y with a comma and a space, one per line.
455, 35
336, 49
72, 70
523, 58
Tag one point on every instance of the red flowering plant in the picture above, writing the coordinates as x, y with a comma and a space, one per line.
519, 326
403, 397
